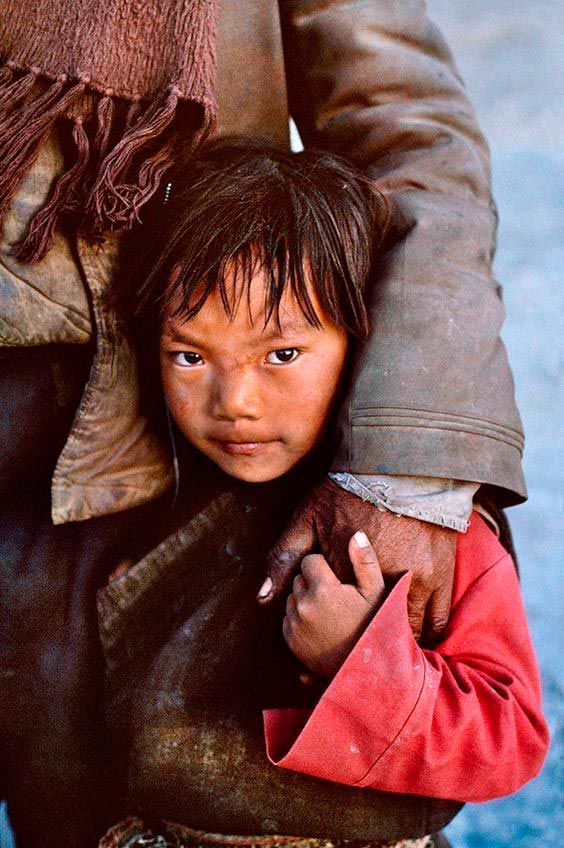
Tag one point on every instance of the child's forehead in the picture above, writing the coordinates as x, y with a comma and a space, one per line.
245, 299
249, 317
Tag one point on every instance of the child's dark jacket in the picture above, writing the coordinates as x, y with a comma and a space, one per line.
192, 662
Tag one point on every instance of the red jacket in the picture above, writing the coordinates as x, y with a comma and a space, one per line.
460, 721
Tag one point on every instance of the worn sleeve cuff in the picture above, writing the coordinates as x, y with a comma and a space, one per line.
444, 502
383, 675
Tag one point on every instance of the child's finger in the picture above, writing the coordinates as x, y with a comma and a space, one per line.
290, 606
299, 587
370, 582
316, 570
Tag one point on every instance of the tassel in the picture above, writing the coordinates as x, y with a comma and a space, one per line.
104, 115
16, 159
14, 92
150, 175
6, 76
132, 113
65, 198
31, 120
113, 202
21, 119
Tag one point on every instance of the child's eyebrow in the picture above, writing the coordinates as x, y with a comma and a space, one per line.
178, 336
287, 328
272, 332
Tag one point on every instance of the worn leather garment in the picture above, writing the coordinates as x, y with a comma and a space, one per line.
191, 660
433, 394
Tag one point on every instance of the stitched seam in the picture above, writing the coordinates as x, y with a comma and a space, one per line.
437, 425
477, 579
28, 284
400, 411
434, 515
379, 757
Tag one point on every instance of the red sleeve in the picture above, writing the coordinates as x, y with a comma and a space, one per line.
462, 721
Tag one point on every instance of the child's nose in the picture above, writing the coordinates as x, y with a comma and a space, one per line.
235, 395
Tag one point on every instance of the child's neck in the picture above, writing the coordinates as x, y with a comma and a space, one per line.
201, 481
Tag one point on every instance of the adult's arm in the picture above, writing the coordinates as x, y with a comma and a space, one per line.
462, 721
432, 394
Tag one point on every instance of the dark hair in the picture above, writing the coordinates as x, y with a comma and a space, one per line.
307, 217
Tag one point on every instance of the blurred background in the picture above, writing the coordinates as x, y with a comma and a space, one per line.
511, 56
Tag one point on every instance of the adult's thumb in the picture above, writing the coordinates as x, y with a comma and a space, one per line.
368, 573
284, 560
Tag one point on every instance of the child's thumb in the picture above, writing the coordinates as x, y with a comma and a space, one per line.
370, 582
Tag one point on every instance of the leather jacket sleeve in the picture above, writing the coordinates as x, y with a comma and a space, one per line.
432, 394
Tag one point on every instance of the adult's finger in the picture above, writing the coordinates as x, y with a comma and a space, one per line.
297, 540
416, 603
430, 592
438, 609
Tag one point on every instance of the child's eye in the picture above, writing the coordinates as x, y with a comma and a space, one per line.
283, 355
187, 358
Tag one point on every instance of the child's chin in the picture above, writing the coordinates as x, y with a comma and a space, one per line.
249, 474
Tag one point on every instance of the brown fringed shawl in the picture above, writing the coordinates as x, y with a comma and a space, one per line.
134, 83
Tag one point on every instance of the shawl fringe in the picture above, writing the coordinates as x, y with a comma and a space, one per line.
110, 180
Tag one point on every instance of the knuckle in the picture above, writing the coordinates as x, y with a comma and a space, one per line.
368, 556
287, 630
306, 610
281, 559
310, 565
309, 560
438, 623
320, 590
299, 583
424, 573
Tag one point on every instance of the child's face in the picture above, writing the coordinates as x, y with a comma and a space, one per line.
253, 398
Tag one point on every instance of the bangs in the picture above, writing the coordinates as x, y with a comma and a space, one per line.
307, 223
280, 272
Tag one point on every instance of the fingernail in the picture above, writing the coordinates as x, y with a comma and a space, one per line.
361, 539
265, 589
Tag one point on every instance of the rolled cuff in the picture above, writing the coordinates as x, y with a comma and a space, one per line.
445, 502
340, 743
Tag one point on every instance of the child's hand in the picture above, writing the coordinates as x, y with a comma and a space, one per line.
324, 617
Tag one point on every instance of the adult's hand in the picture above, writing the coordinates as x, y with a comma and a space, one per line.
325, 521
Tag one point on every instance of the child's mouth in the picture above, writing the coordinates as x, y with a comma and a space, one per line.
242, 448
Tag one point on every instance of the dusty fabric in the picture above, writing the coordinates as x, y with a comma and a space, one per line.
190, 660
432, 394
56, 770
133, 831
136, 83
